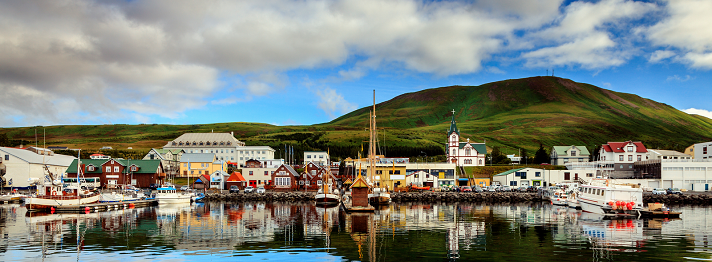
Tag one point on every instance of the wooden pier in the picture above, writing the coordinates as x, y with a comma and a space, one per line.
95, 207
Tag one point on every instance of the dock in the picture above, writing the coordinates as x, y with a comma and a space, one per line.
658, 213
95, 207
351, 209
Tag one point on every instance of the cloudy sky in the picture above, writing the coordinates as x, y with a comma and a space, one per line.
307, 62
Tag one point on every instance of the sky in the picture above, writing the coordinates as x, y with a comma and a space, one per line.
66, 62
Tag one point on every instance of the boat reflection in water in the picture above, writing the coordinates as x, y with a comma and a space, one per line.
303, 231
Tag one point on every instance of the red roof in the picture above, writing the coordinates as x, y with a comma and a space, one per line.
619, 147
96, 155
236, 177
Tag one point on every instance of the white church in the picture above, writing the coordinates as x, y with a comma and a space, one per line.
464, 153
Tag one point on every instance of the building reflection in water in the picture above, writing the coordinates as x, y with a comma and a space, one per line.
239, 228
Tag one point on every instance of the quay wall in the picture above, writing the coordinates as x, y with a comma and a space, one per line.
434, 197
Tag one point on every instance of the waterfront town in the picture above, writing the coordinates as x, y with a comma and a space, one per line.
219, 161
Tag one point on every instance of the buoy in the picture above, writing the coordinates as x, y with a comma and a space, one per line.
611, 203
131, 205
87, 209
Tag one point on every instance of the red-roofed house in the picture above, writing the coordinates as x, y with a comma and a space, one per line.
623, 155
235, 179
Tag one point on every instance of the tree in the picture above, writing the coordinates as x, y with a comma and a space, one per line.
525, 157
541, 156
498, 157
4, 141
593, 156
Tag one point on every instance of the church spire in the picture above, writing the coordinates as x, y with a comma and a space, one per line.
453, 125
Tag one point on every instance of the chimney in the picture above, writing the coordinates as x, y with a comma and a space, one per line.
231, 133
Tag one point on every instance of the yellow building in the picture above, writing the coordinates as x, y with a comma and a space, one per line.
392, 172
195, 165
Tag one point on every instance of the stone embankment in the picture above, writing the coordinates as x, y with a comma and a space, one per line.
503, 197
508, 197
268, 196
684, 199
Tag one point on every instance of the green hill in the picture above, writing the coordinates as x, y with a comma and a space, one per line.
512, 114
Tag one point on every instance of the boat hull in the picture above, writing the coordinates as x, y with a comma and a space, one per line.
379, 199
50, 202
559, 201
173, 199
327, 199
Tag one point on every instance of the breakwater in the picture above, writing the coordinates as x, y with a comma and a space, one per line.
268, 196
435, 197
684, 199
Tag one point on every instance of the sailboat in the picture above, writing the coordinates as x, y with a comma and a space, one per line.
377, 195
55, 195
326, 196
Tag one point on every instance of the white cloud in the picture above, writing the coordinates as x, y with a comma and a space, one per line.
580, 35
686, 26
333, 103
678, 78
659, 55
606, 84
695, 111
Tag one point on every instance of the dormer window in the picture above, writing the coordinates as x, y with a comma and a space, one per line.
180, 143
228, 143
134, 168
174, 143
194, 143
630, 149
201, 143
90, 168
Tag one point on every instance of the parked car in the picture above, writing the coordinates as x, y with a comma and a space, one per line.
249, 189
522, 189
506, 189
466, 189
492, 189
153, 186
234, 189
659, 191
477, 189
674, 190
184, 188
260, 190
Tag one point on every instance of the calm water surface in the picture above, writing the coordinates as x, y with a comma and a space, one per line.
293, 232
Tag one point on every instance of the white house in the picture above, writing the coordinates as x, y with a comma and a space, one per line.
622, 155
316, 157
666, 154
19, 165
257, 176
218, 178
540, 177
421, 178
464, 153
224, 145
702, 150
562, 155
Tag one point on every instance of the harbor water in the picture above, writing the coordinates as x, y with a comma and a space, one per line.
223, 231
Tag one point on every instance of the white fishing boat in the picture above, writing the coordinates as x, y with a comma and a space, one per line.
169, 195
52, 193
379, 196
12, 196
125, 196
602, 196
559, 198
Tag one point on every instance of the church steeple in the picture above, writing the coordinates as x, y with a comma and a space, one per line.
453, 125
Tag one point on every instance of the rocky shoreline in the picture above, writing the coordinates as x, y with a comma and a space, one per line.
434, 197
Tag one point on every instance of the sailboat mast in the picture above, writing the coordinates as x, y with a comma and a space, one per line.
372, 142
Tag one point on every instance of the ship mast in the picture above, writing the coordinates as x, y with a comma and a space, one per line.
371, 141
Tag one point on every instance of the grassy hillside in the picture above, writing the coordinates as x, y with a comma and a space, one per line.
512, 114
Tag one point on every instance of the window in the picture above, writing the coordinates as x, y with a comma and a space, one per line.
266, 173
134, 168
480, 161
308, 156
640, 157
108, 169
7, 157
251, 173
589, 174
524, 175
318, 182
513, 183
453, 152
580, 159
630, 158
573, 153
116, 169
620, 158
630, 149
704, 150
467, 151
537, 174
90, 168
321, 156
567, 176
282, 173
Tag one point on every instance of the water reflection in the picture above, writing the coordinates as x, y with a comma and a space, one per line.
397, 232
